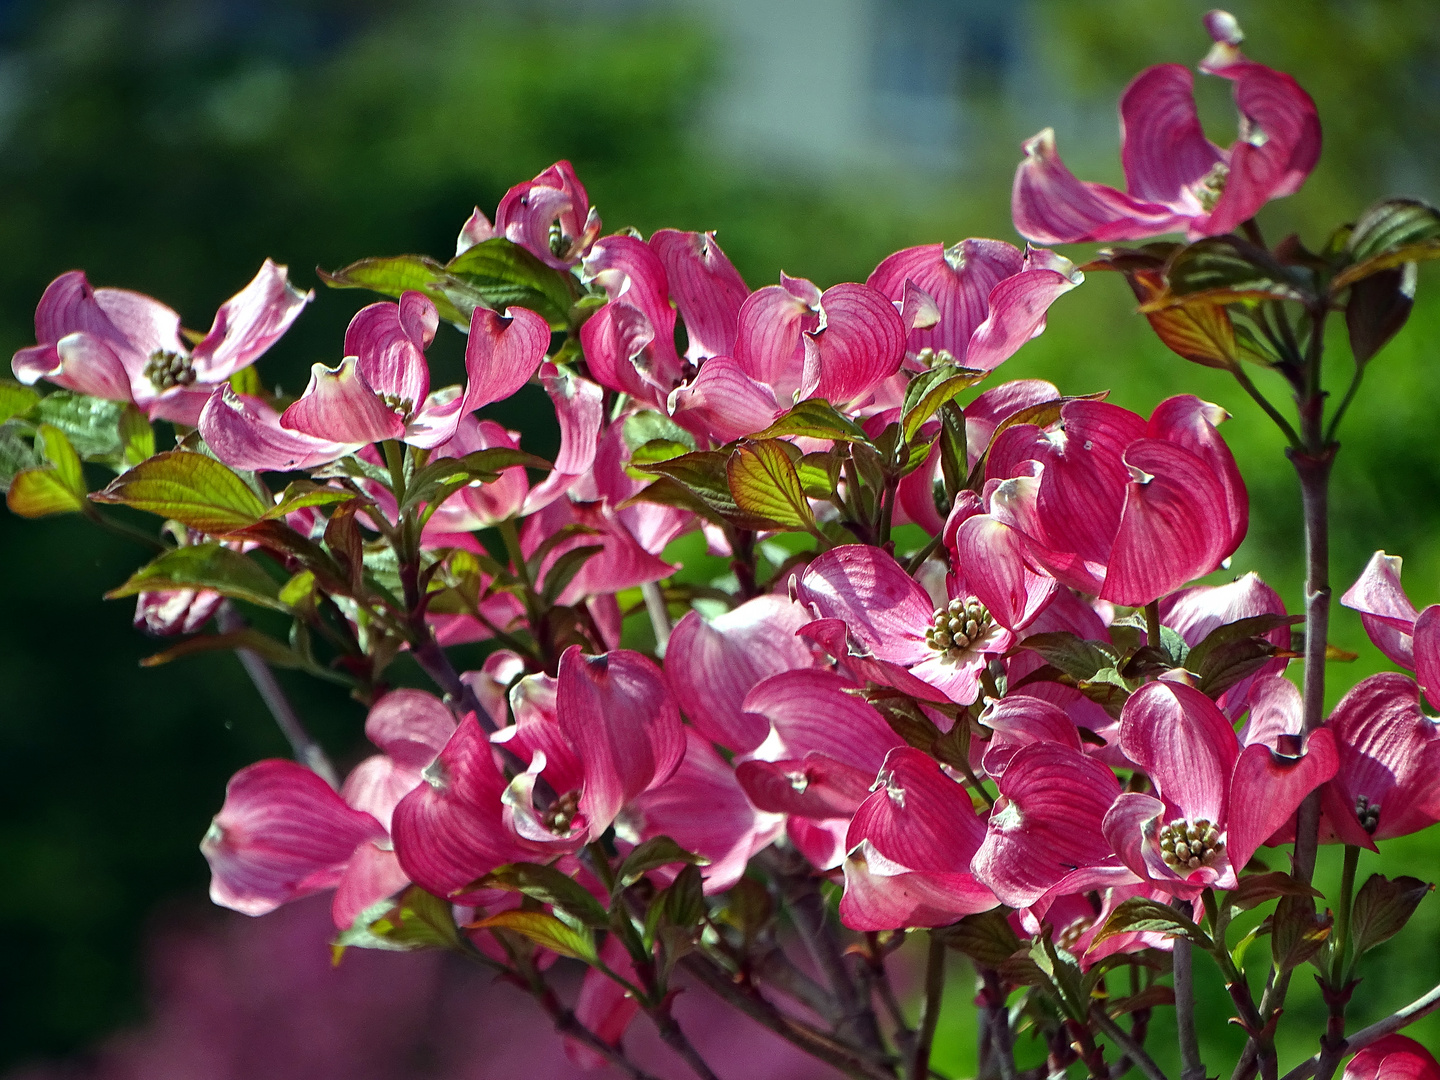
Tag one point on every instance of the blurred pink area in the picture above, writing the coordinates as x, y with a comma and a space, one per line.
234, 998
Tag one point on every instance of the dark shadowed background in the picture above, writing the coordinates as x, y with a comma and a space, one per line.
171, 146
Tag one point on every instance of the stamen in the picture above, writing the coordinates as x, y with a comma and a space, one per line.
957, 626
930, 358
401, 407
1212, 186
1368, 813
167, 370
559, 814
1188, 845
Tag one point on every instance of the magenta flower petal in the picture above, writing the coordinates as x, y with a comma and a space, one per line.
617, 713
813, 711
959, 279
1267, 788
603, 1006
712, 664
390, 348
1187, 421
615, 340
991, 556
502, 354
632, 274
1175, 525
372, 874
1389, 754
1050, 206
1018, 306
882, 895
703, 809
1279, 140
245, 433
1427, 652
1128, 825
884, 608
1162, 145
707, 288
283, 833
250, 322
339, 405
1018, 720
83, 363
859, 343
724, 401
449, 831
410, 726
1395, 1057
1047, 825
579, 410
1276, 710
833, 636
476, 230
812, 786
1178, 735
1385, 610
769, 343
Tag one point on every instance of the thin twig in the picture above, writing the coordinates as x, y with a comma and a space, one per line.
306, 750
1191, 1068
997, 1025
929, 1009
1133, 1050
851, 1060
659, 614
1421, 1006
676, 1039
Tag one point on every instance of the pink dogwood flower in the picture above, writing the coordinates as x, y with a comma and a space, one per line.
284, 833
1385, 610
1215, 802
910, 846
1194, 612
889, 617
1176, 179
381, 390
550, 216
125, 346
1115, 506
1395, 1057
990, 298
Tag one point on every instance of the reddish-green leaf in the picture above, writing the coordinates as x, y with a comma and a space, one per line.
763, 482
205, 566
194, 489
546, 931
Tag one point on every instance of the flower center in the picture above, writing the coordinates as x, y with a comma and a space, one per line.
1186, 845
167, 370
399, 406
1212, 186
958, 625
559, 814
930, 358
1067, 938
559, 243
1368, 813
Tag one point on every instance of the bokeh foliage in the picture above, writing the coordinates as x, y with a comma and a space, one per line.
171, 147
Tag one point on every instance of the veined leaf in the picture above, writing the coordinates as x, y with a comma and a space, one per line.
813, 418
205, 566
15, 398
931, 389
416, 920
194, 489
549, 886
546, 931
763, 482
507, 275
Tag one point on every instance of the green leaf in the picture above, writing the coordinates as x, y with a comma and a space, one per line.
1234, 651
15, 398
819, 473
194, 489
655, 450
654, 853
453, 297
668, 492
57, 487
137, 437
507, 275
1227, 269
1140, 914
563, 570
91, 424
954, 462
1199, 331
985, 938
647, 426
1070, 653
1382, 908
205, 566
749, 908
272, 651
814, 418
440, 479
416, 920
1297, 933
546, 931
764, 483
16, 452
549, 886
931, 389
1391, 233
303, 493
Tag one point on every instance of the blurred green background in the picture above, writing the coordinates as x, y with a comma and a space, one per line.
171, 146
